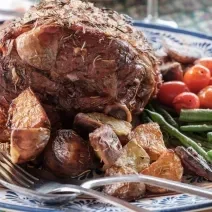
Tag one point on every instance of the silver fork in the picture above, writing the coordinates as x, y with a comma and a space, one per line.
47, 191
17, 179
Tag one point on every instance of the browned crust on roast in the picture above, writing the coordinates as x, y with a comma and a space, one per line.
110, 59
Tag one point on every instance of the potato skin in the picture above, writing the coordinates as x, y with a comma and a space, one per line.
26, 144
126, 191
168, 166
86, 123
29, 125
26, 112
106, 145
150, 138
133, 156
68, 155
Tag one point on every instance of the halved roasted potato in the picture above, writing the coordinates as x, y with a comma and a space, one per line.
134, 156
30, 127
90, 121
106, 144
133, 159
150, 138
193, 162
26, 144
167, 166
183, 54
68, 155
26, 112
126, 191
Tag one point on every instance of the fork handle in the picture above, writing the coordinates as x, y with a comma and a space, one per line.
100, 196
154, 181
77, 190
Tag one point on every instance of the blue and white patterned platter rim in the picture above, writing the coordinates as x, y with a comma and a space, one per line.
10, 201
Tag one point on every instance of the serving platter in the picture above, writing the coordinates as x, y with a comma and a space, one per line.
10, 201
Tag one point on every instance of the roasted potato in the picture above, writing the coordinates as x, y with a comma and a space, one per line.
134, 156
171, 71
133, 159
84, 124
26, 144
183, 54
193, 162
126, 191
106, 145
150, 138
90, 121
68, 155
26, 112
167, 166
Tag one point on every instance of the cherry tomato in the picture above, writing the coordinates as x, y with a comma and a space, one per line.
196, 78
186, 100
205, 97
169, 90
207, 62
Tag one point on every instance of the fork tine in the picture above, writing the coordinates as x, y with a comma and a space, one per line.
11, 177
5, 176
19, 176
21, 171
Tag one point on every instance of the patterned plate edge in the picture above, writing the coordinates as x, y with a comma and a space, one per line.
169, 29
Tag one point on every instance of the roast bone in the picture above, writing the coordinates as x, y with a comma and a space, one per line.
77, 57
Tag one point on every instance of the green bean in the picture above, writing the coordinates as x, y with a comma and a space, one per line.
196, 128
203, 143
166, 138
200, 140
209, 136
206, 145
209, 153
145, 118
193, 115
199, 123
196, 136
206, 149
167, 116
150, 107
168, 109
186, 141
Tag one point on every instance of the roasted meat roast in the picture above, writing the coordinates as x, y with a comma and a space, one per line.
77, 58
72, 78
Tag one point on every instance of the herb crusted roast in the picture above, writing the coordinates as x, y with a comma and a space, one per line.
77, 57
